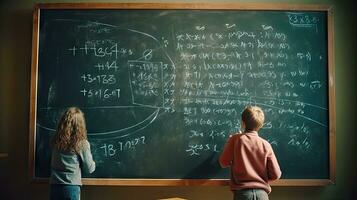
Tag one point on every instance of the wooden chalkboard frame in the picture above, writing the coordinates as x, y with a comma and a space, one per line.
169, 6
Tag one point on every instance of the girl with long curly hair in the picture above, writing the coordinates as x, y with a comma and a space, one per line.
70, 156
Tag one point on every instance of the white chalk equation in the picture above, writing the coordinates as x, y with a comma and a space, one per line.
303, 20
227, 69
118, 83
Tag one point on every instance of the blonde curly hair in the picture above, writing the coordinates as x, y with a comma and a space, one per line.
71, 130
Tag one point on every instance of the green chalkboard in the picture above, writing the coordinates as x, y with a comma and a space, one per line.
162, 89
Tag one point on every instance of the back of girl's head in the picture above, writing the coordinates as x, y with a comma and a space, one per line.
71, 130
253, 118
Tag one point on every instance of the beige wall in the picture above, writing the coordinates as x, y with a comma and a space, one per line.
15, 63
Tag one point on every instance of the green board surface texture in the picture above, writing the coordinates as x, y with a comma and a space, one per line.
162, 90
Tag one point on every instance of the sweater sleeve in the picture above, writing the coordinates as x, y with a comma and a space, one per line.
88, 164
226, 157
274, 171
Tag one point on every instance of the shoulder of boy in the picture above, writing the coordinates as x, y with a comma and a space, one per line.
231, 135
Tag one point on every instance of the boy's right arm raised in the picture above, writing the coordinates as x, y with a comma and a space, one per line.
274, 171
226, 158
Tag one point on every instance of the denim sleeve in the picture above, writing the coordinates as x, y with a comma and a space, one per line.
88, 164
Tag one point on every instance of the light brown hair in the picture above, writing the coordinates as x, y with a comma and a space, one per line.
253, 118
71, 130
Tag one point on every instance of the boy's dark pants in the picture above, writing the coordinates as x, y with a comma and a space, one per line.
251, 194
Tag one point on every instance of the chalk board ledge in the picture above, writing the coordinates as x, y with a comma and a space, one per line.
303, 182
190, 182
155, 182
144, 182
199, 182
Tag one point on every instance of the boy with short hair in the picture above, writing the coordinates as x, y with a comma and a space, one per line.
251, 158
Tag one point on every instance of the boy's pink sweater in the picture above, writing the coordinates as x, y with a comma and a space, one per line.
252, 161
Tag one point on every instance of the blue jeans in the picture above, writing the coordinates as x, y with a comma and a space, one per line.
251, 194
65, 192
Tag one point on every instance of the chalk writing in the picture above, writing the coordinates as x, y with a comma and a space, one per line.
161, 84
100, 48
111, 150
219, 69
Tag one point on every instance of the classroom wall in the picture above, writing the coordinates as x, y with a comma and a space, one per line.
15, 64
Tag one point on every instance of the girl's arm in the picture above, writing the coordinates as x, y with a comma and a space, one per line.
88, 164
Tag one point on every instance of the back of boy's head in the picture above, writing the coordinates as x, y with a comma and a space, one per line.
253, 118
